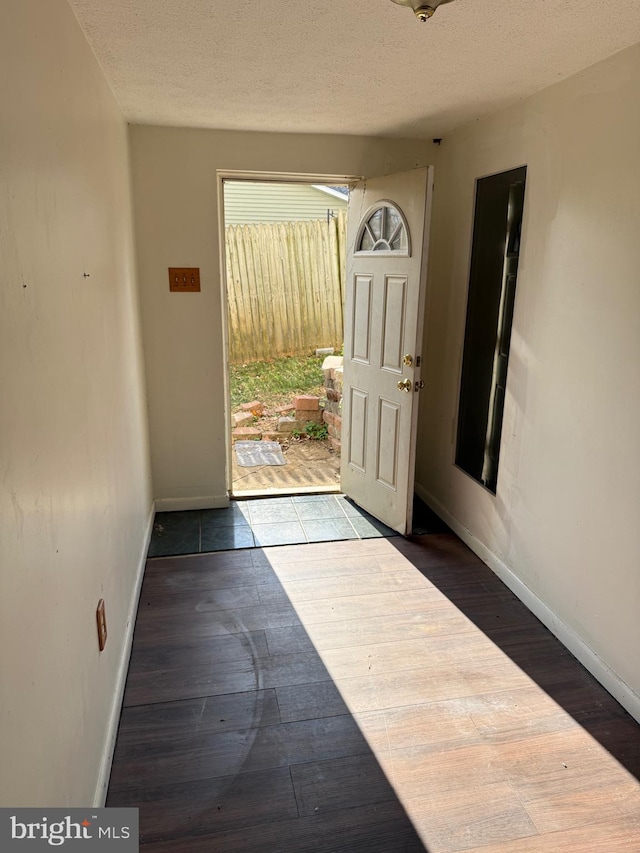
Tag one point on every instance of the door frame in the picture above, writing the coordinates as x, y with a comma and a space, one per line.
223, 175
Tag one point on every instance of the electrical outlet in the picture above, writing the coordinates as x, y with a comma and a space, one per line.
101, 619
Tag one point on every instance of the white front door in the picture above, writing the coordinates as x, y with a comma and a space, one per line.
385, 285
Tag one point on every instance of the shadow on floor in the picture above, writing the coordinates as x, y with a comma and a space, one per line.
425, 520
490, 605
233, 736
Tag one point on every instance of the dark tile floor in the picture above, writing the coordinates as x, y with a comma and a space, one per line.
274, 521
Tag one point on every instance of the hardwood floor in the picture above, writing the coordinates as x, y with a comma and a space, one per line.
377, 695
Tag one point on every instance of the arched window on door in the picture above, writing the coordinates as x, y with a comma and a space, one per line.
383, 231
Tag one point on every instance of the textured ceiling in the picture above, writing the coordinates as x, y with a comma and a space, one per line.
343, 66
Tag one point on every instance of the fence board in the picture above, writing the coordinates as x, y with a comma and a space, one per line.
285, 287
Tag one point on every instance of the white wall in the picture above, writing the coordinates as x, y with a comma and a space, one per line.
565, 518
75, 498
176, 218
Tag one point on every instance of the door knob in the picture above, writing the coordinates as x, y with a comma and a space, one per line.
408, 360
405, 385
419, 384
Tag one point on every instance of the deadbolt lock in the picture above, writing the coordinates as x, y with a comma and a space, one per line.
405, 385
408, 360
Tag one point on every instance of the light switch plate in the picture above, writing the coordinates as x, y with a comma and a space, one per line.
184, 279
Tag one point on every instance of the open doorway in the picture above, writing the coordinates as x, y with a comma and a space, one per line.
385, 254
285, 247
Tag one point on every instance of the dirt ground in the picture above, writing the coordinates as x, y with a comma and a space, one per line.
309, 464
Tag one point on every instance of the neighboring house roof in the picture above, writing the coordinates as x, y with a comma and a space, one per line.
337, 192
250, 201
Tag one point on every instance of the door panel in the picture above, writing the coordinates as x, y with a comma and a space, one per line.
393, 330
362, 319
357, 430
388, 439
386, 266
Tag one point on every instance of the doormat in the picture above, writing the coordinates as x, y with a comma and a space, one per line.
252, 453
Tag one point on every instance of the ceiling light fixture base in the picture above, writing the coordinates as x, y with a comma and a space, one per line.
422, 11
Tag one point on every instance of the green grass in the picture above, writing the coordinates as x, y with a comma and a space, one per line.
316, 432
275, 382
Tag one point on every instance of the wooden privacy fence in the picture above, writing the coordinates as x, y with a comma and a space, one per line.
285, 284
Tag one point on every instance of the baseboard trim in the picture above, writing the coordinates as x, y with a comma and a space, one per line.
201, 502
591, 661
118, 695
